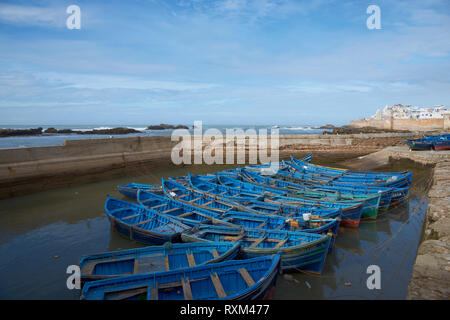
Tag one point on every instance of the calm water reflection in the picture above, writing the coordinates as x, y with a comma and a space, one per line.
41, 234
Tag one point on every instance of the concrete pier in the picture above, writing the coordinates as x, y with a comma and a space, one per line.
431, 274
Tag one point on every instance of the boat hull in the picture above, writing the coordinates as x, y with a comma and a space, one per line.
351, 216
153, 259
310, 259
218, 281
142, 236
399, 197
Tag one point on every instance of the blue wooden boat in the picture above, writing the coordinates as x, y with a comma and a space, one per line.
155, 259
338, 171
239, 219
184, 212
341, 193
370, 201
398, 195
420, 144
267, 222
178, 191
299, 251
437, 137
130, 190
141, 224
251, 279
307, 158
378, 181
441, 145
350, 213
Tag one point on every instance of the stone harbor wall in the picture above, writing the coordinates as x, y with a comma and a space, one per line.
402, 124
431, 274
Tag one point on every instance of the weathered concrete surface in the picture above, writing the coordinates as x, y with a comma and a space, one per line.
381, 157
401, 124
424, 157
431, 274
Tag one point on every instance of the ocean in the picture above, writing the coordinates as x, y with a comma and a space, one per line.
58, 139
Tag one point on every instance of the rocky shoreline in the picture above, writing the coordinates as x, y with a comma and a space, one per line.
51, 130
431, 274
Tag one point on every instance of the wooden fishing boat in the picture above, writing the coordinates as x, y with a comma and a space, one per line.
350, 213
399, 197
155, 259
370, 202
229, 280
441, 145
401, 194
141, 224
437, 137
130, 190
307, 158
184, 212
268, 222
341, 193
299, 251
399, 181
178, 191
420, 144
346, 172
239, 219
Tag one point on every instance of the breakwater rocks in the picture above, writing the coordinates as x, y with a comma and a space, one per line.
118, 130
431, 274
20, 132
164, 126
51, 130
355, 130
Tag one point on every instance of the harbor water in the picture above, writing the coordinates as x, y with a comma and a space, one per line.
41, 234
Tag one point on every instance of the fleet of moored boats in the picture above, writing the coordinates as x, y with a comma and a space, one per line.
430, 142
227, 235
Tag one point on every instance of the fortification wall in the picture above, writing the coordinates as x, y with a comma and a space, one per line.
402, 124
418, 124
447, 121
382, 124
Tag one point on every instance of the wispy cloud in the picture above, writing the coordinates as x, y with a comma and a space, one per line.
100, 82
32, 16
203, 58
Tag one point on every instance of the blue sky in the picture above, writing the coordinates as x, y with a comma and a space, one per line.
222, 62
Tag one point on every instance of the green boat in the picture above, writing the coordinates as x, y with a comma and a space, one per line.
370, 206
371, 202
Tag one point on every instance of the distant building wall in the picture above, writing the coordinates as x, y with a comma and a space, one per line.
447, 121
382, 124
418, 124
403, 124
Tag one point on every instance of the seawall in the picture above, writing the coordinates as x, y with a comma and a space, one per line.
401, 124
431, 274
25, 170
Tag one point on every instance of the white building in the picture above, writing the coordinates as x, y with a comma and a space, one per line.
400, 111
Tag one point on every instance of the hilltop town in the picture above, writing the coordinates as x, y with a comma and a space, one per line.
400, 117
